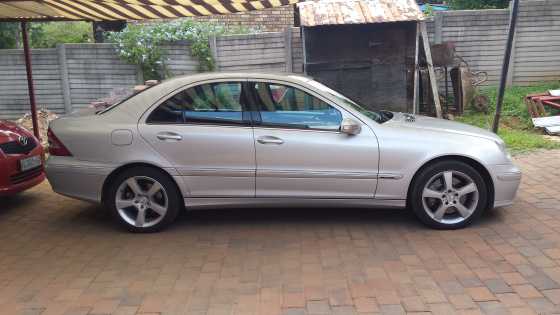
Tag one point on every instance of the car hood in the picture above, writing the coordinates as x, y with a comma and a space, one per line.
440, 125
9, 131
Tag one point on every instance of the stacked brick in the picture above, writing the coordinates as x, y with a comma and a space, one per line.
270, 20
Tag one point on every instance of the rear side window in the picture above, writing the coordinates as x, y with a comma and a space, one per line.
286, 106
220, 103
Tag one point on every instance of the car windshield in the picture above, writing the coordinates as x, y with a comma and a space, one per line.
378, 116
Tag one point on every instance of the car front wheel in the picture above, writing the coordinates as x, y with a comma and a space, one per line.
448, 195
144, 199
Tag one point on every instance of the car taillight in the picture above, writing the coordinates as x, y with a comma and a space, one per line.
55, 146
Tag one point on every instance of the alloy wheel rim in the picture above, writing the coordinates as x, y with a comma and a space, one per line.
141, 201
450, 197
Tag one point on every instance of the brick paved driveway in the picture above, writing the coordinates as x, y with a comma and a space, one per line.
61, 256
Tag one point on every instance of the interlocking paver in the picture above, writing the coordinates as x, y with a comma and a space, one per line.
462, 301
318, 307
366, 305
498, 286
62, 256
513, 278
414, 304
481, 294
527, 291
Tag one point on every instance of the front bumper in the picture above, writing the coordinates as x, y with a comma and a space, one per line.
12, 180
506, 178
34, 180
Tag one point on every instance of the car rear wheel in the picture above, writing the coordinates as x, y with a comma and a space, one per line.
144, 199
448, 195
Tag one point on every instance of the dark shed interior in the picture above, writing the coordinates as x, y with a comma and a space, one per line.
372, 64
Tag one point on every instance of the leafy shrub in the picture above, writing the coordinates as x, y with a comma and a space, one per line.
140, 44
478, 4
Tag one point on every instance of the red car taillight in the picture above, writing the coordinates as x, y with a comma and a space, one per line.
55, 146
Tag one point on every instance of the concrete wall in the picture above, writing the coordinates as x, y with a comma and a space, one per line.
258, 52
93, 71
179, 60
71, 76
67, 77
14, 97
480, 37
537, 42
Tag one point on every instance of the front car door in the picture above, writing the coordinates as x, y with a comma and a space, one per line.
204, 131
300, 151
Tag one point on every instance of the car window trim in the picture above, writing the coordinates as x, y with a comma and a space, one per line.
256, 113
245, 116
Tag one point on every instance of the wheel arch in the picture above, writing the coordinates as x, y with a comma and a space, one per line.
467, 160
122, 168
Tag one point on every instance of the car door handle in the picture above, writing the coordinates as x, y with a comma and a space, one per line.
269, 140
169, 136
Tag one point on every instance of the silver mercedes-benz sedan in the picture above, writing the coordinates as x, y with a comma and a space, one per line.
242, 139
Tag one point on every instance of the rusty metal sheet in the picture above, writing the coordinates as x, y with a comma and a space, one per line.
338, 12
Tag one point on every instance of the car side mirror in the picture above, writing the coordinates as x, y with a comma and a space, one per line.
350, 126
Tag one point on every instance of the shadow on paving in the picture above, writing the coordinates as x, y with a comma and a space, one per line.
297, 215
10, 204
378, 217
93, 215
97, 217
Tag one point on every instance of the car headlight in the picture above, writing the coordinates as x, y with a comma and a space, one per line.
502, 146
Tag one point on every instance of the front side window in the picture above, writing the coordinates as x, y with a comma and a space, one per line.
206, 103
286, 106
377, 116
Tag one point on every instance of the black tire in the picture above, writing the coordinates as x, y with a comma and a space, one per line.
173, 198
426, 174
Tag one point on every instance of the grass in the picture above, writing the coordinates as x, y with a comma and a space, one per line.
516, 127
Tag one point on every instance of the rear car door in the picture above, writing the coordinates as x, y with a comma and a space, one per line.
205, 132
300, 151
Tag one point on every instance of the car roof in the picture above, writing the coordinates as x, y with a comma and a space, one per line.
174, 83
186, 79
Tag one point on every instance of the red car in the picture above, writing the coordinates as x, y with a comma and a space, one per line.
21, 159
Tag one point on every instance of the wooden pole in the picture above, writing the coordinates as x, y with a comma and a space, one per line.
415, 96
30, 87
505, 66
431, 72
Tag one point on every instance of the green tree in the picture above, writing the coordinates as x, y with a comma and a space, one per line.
478, 4
9, 33
49, 34
44, 34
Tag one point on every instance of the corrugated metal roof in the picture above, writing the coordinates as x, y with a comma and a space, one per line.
336, 12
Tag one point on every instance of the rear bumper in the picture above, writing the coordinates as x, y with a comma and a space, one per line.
77, 179
506, 182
